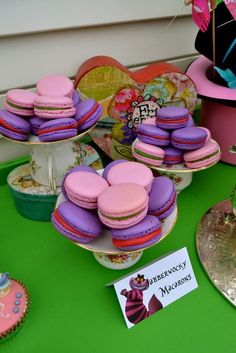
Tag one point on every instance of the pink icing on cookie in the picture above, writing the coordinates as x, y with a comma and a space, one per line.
13, 306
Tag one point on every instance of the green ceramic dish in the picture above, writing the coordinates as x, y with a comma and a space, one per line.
32, 200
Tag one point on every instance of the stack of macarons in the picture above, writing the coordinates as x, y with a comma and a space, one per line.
53, 113
174, 139
126, 199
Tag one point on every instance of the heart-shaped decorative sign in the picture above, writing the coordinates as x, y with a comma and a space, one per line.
130, 97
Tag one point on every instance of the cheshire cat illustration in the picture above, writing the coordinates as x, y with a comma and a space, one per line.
135, 310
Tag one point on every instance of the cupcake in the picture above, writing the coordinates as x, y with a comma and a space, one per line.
14, 303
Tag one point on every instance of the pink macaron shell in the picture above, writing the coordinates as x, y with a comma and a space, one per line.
82, 202
123, 223
192, 158
83, 188
150, 150
131, 172
121, 201
55, 85
22, 99
62, 107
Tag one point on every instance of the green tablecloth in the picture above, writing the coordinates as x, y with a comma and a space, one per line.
72, 311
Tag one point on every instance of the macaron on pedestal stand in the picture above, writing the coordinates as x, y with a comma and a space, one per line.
181, 160
51, 123
35, 186
180, 174
49, 161
111, 257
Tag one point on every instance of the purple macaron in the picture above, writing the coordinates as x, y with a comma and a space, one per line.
162, 197
76, 223
35, 123
189, 138
173, 155
87, 114
79, 168
57, 129
141, 235
110, 165
153, 135
191, 122
76, 98
172, 118
13, 126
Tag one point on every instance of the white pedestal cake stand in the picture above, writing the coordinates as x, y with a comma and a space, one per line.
50, 161
111, 257
179, 173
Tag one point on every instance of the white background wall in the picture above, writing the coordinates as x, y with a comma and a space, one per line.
55, 36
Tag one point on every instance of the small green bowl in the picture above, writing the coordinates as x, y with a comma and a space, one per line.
32, 200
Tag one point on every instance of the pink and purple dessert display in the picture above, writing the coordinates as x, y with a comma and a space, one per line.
127, 201
41, 114
172, 139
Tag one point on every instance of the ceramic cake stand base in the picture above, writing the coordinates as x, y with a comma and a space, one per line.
50, 161
179, 174
111, 257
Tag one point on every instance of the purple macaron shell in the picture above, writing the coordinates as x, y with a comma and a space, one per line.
76, 98
191, 122
15, 122
67, 125
148, 225
162, 192
80, 219
58, 135
79, 168
166, 115
153, 135
35, 123
83, 109
13, 135
189, 138
60, 122
110, 165
173, 155
142, 246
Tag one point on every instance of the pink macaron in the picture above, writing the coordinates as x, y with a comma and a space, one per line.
55, 85
148, 154
20, 102
123, 205
204, 156
52, 107
131, 172
83, 188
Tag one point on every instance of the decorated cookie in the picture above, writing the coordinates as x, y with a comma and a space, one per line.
14, 302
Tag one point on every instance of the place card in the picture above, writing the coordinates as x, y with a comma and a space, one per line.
154, 286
